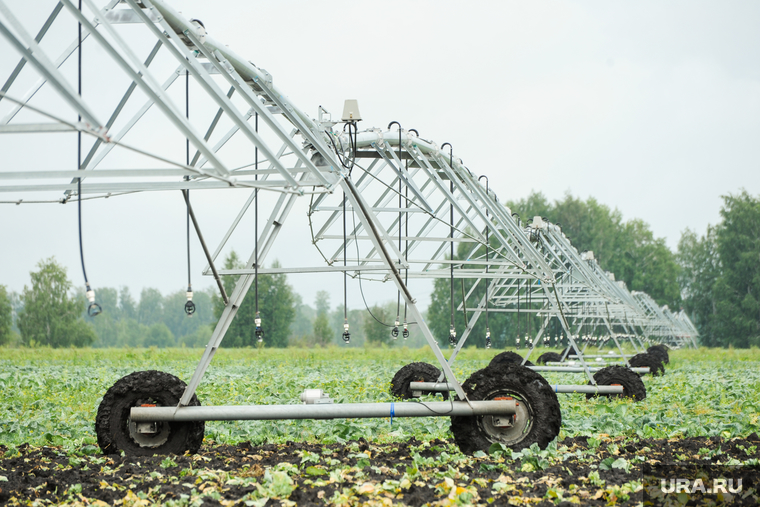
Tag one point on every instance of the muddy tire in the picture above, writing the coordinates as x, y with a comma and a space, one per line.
654, 363
414, 372
538, 419
633, 387
661, 351
116, 432
508, 357
568, 350
549, 357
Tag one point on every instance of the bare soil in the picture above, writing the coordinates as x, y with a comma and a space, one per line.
355, 473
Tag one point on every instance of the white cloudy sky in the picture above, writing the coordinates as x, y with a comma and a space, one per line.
650, 107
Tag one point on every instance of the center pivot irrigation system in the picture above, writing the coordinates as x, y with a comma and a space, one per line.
383, 204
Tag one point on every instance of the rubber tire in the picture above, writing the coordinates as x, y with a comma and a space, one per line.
521, 383
507, 357
569, 350
633, 386
142, 387
654, 363
549, 356
414, 372
660, 351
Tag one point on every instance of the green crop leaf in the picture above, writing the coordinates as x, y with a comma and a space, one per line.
621, 463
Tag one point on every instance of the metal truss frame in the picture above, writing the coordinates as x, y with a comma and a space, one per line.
410, 201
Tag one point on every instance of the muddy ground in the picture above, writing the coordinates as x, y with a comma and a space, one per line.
578, 471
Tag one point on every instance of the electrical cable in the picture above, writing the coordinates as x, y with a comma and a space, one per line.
358, 259
352, 143
189, 305
258, 331
93, 309
394, 331
405, 332
346, 335
452, 329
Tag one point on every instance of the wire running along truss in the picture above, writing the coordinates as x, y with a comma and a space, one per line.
399, 194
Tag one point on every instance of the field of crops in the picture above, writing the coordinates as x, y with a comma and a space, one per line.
706, 407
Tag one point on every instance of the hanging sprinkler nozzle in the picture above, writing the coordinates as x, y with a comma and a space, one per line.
394, 331
346, 334
488, 338
93, 309
259, 331
189, 305
452, 336
405, 332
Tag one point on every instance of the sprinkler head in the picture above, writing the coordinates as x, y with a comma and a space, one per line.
452, 336
189, 305
488, 339
405, 332
259, 331
346, 336
93, 309
394, 331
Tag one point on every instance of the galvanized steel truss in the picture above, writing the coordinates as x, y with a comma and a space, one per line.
407, 202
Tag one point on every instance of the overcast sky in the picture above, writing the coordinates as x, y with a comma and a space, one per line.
652, 108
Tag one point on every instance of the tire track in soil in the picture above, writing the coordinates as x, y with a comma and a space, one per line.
356, 473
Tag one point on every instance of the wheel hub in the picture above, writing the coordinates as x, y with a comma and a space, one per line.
507, 429
148, 434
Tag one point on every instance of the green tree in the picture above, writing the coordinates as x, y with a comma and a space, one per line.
158, 335
127, 304
6, 316
321, 331
737, 290
302, 323
150, 310
700, 268
720, 275
50, 316
376, 332
276, 307
322, 302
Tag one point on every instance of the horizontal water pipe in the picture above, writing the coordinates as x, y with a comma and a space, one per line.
558, 388
579, 369
323, 411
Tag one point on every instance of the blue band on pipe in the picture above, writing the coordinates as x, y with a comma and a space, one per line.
556, 388
393, 412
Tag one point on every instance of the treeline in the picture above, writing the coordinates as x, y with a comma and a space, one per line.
720, 275
51, 313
